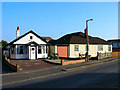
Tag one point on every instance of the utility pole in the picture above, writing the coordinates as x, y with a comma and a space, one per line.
87, 38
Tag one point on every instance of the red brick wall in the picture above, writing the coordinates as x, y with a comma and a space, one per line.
71, 62
13, 67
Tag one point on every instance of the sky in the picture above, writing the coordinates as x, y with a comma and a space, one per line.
55, 19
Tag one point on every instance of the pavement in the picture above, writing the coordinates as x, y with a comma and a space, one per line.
10, 78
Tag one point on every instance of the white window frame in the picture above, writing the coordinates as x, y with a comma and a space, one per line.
44, 50
24, 48
76, 47
40, 47
100, 47
12, 49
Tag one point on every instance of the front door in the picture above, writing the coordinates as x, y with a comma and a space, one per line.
33, 54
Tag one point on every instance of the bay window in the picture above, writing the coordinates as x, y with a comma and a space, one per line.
39, 50
21, 49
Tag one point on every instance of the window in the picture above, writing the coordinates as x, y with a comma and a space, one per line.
31, 37
43, 49
21, 49
118, 44
100, 47
39, 50
24, 49
46, 49
109, 48
76, 48
12, 49
114, 44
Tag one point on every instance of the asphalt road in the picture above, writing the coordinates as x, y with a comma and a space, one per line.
100, 76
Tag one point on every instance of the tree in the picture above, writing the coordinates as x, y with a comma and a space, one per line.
3, 43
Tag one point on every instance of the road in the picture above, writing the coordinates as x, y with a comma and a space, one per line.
100, 76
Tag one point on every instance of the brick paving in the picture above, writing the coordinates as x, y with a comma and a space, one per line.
33, 65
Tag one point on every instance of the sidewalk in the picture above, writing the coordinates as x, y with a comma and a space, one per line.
22, 76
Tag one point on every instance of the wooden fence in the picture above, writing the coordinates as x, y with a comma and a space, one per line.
104, 55
115, 54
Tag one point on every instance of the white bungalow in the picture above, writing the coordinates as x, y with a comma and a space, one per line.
28, 46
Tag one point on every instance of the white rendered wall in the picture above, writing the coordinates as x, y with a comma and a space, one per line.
42, 55
26, 39
93, 49
55, 48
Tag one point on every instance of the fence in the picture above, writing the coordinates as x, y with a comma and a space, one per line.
115, 54
104, 55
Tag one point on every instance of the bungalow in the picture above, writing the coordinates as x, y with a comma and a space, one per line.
28, 46
74, 46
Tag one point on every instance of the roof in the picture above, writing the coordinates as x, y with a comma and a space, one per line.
78, 38
25, 35
47, 38
114, 40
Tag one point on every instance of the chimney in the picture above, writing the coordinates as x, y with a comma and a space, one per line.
17, 32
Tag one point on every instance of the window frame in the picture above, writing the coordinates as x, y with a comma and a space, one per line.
100, 47
22, 48
31, 37
13, 50
76, 47
40, 47
44, 50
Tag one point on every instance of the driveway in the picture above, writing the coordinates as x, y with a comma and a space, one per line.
33, 65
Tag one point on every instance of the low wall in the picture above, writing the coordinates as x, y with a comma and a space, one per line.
71, 62
11, 66
115, 54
